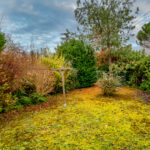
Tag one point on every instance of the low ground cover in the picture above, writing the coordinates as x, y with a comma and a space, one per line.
90, 121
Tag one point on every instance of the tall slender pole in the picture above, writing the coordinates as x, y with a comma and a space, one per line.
63, 87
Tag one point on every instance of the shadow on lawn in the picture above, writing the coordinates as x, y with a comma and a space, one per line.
115, 97
51, 103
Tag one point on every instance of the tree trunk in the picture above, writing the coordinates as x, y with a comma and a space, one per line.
110, 61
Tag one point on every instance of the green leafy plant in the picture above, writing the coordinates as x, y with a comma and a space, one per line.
37, 98
109, 83
34, 98
25, 101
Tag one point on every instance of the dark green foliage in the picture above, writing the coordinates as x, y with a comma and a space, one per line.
140, 74
2, 41
83, 60
102, 69
144, 35
20, 93
34, 98
25, 98
124, 59
145, 85
25, 101
37, 98
72, 81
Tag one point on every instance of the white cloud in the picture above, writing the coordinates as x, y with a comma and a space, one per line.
144, 5
65, 4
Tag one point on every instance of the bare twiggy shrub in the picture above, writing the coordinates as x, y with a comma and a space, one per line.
41, 78
11, 68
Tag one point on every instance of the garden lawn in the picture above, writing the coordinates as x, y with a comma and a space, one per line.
90, 121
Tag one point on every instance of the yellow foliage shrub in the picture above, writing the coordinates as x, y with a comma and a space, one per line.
57, 62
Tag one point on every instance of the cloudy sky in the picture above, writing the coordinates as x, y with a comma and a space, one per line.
43, 21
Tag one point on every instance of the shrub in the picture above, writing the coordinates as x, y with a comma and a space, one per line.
140, 74
109, 83
34, 98
7, 100
122, 61
83, 59
11, 73
25, 101
56, 62
37, 98
40, 79
11, 69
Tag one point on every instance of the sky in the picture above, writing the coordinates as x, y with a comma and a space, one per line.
43, 21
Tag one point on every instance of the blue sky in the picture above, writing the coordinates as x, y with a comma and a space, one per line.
43, 21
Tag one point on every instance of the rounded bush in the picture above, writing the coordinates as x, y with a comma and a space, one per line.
109, 83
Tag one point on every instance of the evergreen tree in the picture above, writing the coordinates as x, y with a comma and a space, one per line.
83, 60
144, 36
2, 41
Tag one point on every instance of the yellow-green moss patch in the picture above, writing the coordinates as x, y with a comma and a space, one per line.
90, 121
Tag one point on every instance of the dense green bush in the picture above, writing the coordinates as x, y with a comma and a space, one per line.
83, 60
25, 101
33, 98
140, 74
37, 98
108, 83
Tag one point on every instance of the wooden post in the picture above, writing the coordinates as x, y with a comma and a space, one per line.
62, 72
63, 87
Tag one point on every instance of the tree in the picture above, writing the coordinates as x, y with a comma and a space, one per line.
67, 36
144, 35
107, 22
83, 60
2, 41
